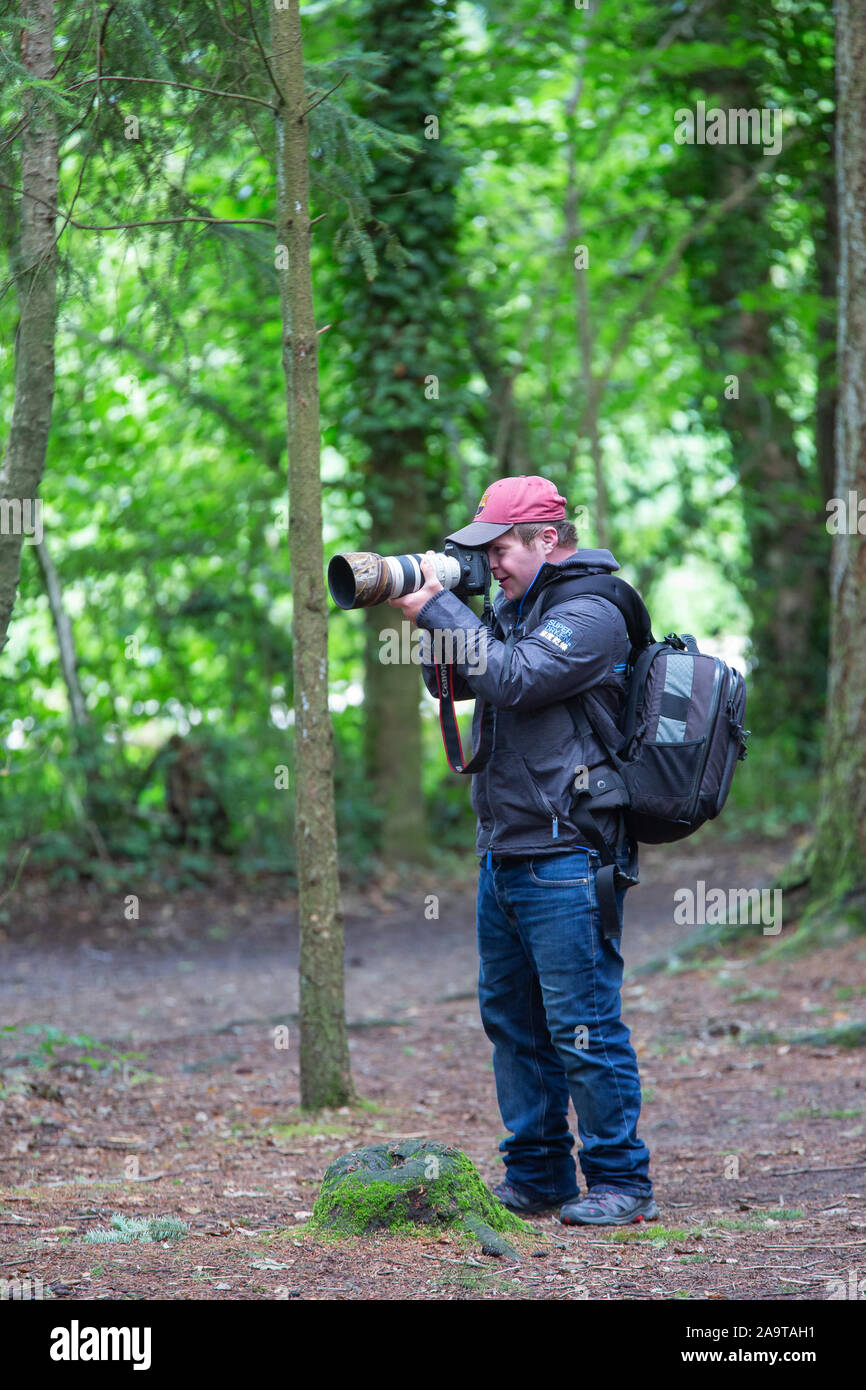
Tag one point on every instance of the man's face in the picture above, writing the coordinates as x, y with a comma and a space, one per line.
514, 564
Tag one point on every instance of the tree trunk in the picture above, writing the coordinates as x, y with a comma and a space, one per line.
324, 1049
839, 854
392, 720
788, 554
100, 802
36, 283
65, 637
400, 338
788, 563
827, 270
584, 326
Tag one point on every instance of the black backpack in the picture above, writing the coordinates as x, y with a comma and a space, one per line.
682, 723
681, 732
682, 736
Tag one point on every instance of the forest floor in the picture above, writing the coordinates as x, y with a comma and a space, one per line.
192, 1111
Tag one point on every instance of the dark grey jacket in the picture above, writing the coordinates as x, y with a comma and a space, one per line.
522, 797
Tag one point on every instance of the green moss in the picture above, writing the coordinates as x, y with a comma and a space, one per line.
399, 1187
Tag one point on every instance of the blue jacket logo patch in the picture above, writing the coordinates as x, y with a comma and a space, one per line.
558, 633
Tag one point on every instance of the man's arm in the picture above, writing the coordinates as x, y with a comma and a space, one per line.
410, 606
574, 647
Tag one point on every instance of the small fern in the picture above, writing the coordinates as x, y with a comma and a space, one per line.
140, 1228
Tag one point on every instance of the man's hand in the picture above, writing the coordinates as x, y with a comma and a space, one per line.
411, 604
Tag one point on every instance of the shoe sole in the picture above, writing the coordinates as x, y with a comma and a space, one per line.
650, 1214
537, 1209
534, 1210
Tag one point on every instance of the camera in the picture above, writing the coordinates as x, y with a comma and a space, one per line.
360, 579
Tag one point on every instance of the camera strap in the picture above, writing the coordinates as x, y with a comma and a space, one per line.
451, 733
448, 719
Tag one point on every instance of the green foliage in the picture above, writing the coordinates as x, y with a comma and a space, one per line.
774, 790
756, 1220
125, 1230
85, 1049
164, 492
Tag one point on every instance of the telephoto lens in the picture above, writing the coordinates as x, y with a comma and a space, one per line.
360, 579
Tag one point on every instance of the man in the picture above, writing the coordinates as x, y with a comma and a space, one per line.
550, 979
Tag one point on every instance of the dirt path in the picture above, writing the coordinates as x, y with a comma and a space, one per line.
759, 1156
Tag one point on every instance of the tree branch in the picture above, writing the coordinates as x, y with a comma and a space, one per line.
324, 98
148, 222
163, 82
167, 221
264, 55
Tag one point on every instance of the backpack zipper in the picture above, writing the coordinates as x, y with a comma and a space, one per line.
711, 724
731, 758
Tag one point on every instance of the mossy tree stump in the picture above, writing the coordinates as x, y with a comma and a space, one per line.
396, 1186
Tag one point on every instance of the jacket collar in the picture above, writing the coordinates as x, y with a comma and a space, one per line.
587, 561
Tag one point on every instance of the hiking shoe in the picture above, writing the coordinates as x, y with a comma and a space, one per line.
607, 1206
526, 1203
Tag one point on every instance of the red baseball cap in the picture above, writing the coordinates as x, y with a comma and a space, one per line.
510, 502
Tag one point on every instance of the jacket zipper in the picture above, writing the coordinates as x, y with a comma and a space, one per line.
517, 630
554, 820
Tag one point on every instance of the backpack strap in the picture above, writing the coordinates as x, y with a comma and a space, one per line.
637, 689
607, 790
622, 595
610, 878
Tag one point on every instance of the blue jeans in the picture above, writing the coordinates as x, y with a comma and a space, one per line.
549, 989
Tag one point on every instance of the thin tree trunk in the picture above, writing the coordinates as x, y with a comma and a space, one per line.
727, 262
507, 426
392, 719
324, 1048
65, 637
584, 325
99, 805
36, 282
398, 333
839, 853
827, 270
